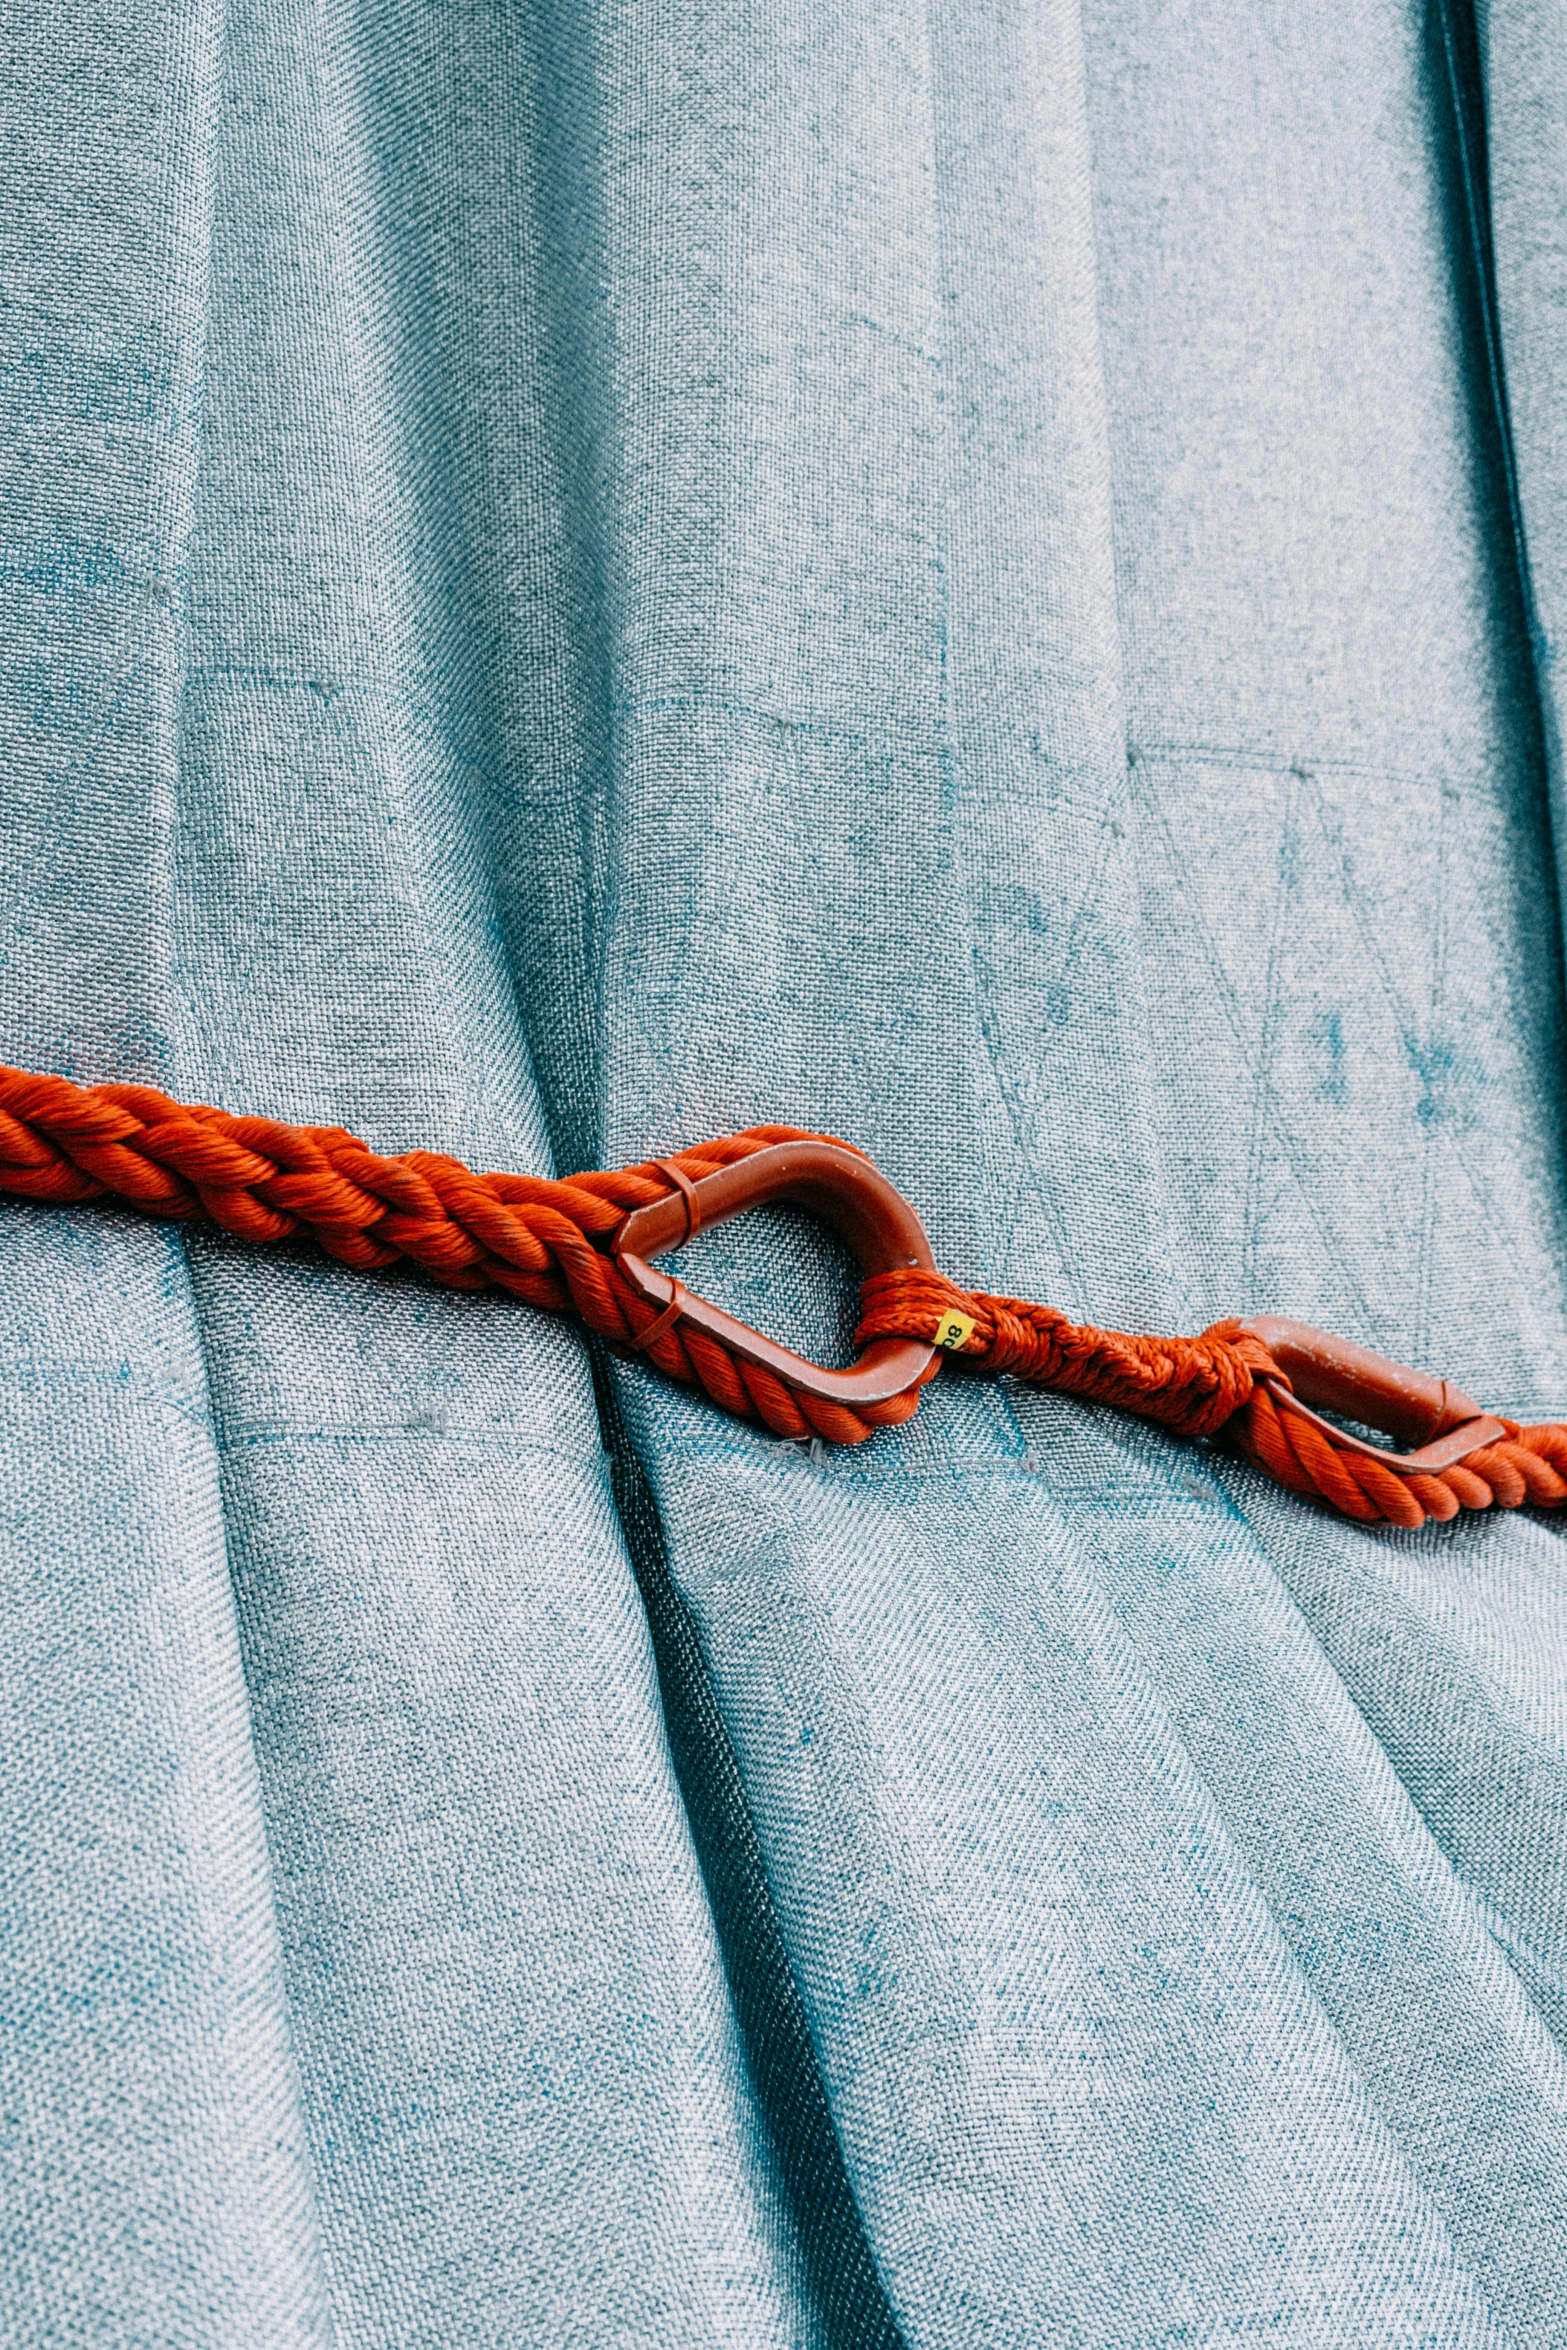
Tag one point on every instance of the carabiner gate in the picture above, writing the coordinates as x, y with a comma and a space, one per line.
1417, 1408
881, 1229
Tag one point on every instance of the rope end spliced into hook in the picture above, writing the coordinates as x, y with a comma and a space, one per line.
1255, 1383
584, 1245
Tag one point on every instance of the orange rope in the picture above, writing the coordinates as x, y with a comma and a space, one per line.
536, 1238
1197, 1386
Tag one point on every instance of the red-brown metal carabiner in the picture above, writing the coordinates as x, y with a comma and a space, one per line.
847, 1192
1412, 1406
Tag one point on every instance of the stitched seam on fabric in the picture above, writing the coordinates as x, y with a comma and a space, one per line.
1029, 1173
1034, 1476
862, 738
1225, 994
899, 342
1263, 1111
880, 742
1481, 780
1355, 901
107, 1387
262, 1432
1440, 780
330, 691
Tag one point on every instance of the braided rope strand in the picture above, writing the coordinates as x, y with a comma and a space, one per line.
1200, 1386
537, 1238
532, 1236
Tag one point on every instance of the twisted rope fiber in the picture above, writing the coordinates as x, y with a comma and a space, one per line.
1198, 1386
536, 1238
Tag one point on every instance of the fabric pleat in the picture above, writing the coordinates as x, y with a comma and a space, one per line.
574, 580
1525, 153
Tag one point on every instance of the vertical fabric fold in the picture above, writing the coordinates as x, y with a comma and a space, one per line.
853, 730
863, 649
157, 2186
1525, 151
523, 2086
808, 566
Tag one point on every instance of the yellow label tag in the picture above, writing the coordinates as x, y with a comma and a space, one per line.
956, 1330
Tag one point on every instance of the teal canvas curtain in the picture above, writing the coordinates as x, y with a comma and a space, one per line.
577, 577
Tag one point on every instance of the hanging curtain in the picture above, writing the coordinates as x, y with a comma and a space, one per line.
575, 578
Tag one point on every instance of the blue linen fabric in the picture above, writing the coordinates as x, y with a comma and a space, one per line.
572, 580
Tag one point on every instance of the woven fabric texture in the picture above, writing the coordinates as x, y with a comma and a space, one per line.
577, 579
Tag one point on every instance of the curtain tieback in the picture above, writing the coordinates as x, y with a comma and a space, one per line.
583, 1245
